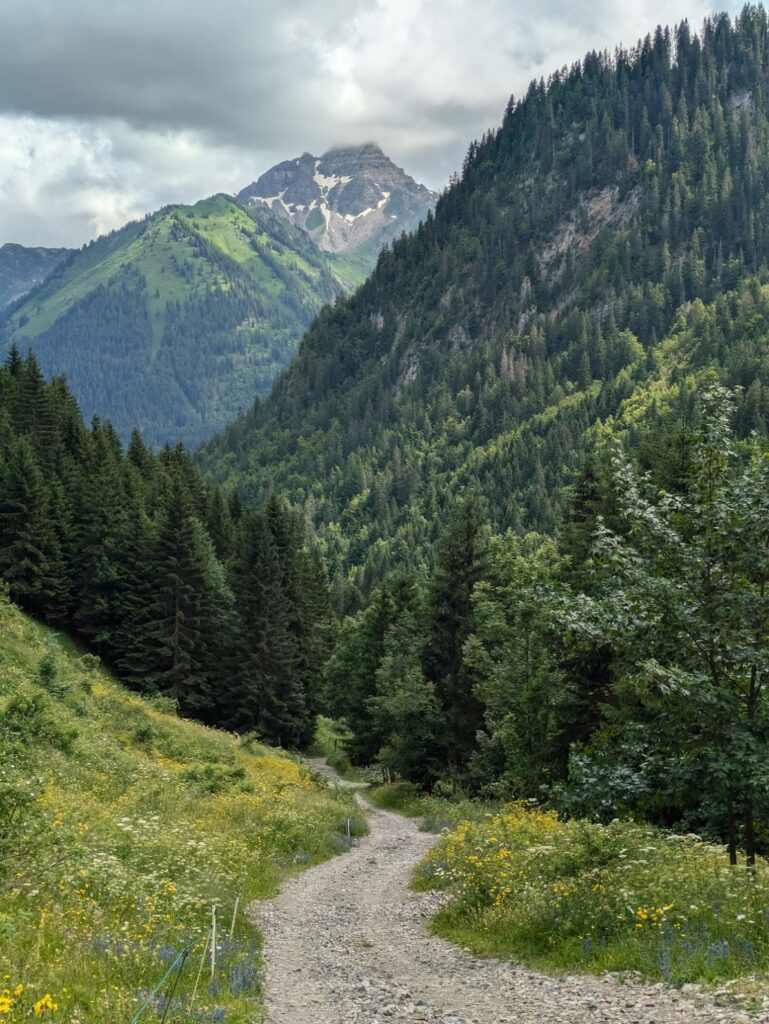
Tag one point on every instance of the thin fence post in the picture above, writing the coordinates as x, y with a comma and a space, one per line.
234, 915
213, 941
200, 969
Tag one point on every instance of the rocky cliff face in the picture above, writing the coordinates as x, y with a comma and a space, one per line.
22, 268
345, 199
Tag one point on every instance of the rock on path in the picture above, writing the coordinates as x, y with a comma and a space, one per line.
345, 943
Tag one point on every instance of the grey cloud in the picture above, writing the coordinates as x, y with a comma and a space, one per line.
230, 69
109, 108
64, 182
250, 72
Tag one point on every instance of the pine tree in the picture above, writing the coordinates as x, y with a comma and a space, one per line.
265, 696
30, 555
177, 576
449, 614
137, 648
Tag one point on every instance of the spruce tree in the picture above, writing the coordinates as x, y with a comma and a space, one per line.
177, 575
30, 555
449, 623
265, 696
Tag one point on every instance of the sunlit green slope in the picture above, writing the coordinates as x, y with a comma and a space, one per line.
119, 825
174, 323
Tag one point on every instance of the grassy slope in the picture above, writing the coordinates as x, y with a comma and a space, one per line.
175, 323
92, 266
152, 249
120, 823
353, 268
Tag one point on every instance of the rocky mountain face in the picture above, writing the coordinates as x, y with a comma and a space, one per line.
345, 200
22, 268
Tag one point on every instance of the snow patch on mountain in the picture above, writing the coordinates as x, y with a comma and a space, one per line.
343, 199
328, 181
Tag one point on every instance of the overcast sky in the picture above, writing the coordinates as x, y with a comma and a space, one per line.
111, 108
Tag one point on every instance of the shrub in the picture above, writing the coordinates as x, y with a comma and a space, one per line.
29, 718
621, 896
211, 778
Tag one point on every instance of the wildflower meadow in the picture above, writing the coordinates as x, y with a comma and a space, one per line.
618, 897
121, 828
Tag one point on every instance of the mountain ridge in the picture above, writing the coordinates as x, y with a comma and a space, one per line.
173, 322
486, 346
344, 199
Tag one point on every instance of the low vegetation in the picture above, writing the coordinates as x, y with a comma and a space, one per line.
120, 825
575, 895
618, 897
330, 741
437, 812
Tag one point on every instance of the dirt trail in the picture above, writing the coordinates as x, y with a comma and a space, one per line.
345, 943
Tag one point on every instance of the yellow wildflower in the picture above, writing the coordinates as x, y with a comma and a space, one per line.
45, 1003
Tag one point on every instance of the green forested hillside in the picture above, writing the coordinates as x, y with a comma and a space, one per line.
485, 347
172, 324
532, 447
619, 666
221, 609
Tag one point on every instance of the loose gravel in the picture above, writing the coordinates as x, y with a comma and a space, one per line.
346, 943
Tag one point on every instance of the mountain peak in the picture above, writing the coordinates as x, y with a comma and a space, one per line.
350, 197
364, 149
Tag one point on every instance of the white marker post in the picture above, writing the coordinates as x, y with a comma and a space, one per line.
213, 941
234, 915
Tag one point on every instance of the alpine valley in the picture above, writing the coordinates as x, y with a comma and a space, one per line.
172, 324
496, 542
538, 405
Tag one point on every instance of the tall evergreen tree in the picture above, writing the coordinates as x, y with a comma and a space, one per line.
30, 555
266, 696
449, 623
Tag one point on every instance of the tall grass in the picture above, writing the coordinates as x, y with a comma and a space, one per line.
119, 826
436, 812
576, 895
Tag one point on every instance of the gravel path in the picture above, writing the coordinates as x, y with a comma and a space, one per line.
345, 943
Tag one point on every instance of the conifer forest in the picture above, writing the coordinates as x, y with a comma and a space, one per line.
495, 541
